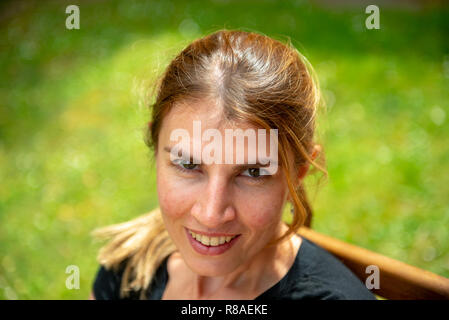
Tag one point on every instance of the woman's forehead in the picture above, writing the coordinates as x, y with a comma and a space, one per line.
208, 112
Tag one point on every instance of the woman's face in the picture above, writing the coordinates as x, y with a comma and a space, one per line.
218, 215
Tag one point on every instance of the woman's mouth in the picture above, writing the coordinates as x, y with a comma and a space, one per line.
210, 245
211, 241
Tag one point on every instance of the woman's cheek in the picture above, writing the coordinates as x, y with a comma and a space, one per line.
264, 212
260, 216
173, 198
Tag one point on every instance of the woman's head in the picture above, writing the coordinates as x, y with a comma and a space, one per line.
233, 80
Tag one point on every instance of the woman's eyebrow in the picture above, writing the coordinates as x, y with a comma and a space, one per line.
178, 153
241, 167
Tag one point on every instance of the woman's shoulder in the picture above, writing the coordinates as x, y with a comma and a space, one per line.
108, 281
134, 250
317, 274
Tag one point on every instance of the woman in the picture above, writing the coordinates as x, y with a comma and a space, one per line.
219, 232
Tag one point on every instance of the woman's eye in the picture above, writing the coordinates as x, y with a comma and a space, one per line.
254, 172
189, 166
184, 164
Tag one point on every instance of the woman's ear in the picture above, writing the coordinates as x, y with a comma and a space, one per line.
302, 171
316, 151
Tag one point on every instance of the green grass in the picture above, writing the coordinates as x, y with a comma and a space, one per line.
72, 156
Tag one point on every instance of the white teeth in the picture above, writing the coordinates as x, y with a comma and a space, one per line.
210, 241
205, 240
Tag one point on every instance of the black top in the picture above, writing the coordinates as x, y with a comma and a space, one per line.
315, 274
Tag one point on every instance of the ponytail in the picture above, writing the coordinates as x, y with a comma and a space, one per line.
142, 244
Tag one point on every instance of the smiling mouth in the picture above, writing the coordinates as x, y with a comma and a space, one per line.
211, 241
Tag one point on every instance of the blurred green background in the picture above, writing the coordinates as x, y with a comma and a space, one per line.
72, 155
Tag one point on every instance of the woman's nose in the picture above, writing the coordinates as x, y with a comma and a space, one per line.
214, 206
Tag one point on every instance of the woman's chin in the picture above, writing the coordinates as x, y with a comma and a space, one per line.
210, 269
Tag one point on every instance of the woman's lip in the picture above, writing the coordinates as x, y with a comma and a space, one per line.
213, 234
210, 250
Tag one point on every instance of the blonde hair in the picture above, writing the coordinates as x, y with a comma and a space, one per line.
258, 80
143, 241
